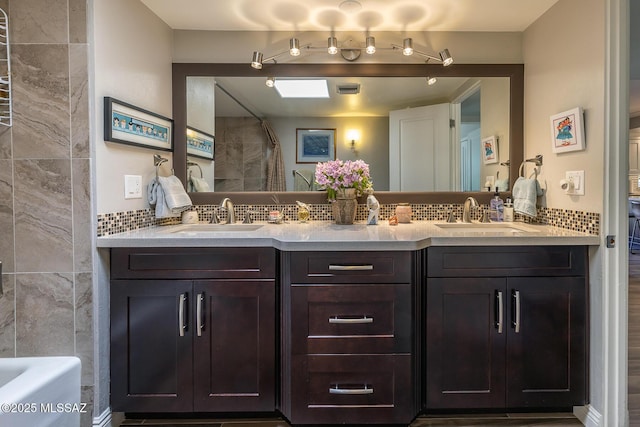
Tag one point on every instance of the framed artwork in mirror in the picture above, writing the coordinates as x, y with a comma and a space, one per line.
567, 131
200, 144
128, 124
315, 145
490, 150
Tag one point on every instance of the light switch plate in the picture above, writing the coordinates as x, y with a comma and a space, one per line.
577, 177
133, 187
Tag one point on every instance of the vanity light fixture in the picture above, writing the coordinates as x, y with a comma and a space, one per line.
351, 52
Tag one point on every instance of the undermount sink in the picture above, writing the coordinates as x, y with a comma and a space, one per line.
491, 227
215, 228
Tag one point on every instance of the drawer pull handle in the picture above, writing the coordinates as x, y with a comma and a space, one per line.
351, 320
364, 390
363, 267
182, 314
199, 319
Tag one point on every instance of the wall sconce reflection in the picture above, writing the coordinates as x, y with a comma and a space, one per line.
353, 136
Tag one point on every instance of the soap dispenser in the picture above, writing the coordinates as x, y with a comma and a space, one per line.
508, 211
496, 207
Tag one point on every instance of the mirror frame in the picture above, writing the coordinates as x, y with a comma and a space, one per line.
181, 71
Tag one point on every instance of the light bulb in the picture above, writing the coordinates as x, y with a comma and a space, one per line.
371, 45
294, 47
332, 46
407, 47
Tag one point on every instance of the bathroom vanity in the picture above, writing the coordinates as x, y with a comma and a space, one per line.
348, 324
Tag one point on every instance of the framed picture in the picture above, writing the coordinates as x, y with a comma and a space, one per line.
567, 131
490, 150
315, 145
200, 144
128, 124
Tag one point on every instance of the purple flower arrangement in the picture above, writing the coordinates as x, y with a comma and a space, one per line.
336, 175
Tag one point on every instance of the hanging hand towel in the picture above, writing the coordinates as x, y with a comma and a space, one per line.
168, 196
525, 194
199, 184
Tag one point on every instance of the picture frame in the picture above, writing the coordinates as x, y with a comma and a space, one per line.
490, 150
315, 145
200, 144
567, 131
125, 123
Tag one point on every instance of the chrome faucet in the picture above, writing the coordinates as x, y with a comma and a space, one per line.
469, 203
227, 204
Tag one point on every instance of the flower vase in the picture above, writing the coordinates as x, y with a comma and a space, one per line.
344, 207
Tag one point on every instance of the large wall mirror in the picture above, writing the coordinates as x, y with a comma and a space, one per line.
222, 104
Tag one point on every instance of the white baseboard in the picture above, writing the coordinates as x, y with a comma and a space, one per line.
103, 420
588, 416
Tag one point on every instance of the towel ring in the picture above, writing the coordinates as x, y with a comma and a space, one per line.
158, 161
521, 170
189, 164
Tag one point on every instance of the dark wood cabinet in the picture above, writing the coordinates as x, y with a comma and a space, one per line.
500, 339
205, 345
348, 338
151, 362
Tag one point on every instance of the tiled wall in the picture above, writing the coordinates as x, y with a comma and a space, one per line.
126, 221
240, 154
45, 215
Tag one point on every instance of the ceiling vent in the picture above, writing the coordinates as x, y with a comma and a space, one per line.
348, 89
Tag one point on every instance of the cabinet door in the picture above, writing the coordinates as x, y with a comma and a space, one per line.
634, 154
465, 349
151, 354
234, 345
547, 343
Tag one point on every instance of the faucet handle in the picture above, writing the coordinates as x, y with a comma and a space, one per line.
215, 218
452, 217
485, 217
248, 219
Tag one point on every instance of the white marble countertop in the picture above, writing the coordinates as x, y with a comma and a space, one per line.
327, 236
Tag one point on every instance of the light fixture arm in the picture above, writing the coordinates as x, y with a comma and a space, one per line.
273, 58
417, 52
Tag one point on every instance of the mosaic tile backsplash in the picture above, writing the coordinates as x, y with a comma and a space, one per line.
111, 223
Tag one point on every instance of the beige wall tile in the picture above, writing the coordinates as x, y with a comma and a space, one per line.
8, 317
7, 246
77, 21
79, 102
82, 229
40, 101
43, 215
44, 314
5, 143
84, 325
38, 21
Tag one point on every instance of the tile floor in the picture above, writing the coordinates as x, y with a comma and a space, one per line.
503, 420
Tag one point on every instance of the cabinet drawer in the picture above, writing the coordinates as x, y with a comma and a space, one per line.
192, 263
477, 261
351, 267
369, 318
369, 389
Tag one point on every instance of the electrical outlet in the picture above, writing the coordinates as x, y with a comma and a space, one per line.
133, 187
577, 177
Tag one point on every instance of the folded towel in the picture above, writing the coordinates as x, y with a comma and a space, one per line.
168, 196
199, 184
525, 194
